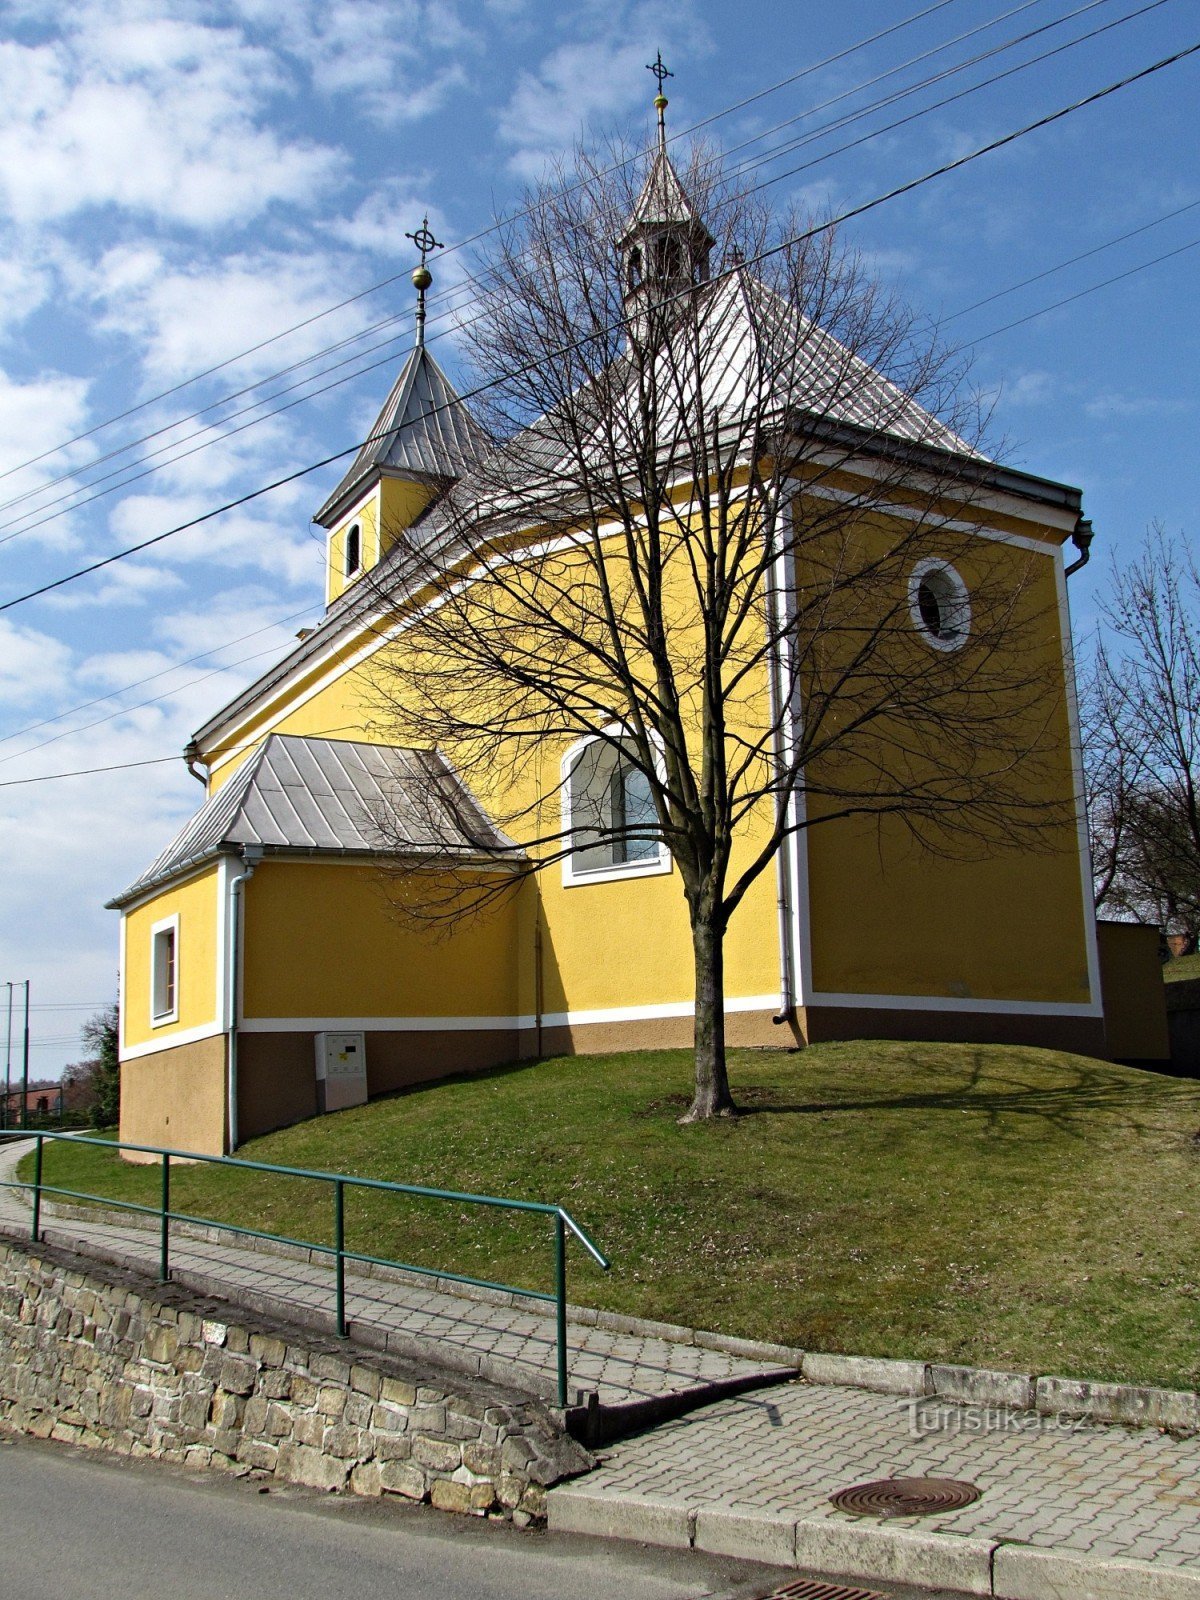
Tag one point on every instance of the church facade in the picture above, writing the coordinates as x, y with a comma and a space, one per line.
265, 975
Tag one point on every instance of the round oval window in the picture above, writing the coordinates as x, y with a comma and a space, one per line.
939, 604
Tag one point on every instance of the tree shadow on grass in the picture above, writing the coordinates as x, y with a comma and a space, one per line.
1137, 1104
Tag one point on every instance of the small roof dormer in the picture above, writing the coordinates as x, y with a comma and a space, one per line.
423, 440
665, 246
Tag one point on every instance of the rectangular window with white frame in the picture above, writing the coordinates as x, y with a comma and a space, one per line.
164, 971
610, 815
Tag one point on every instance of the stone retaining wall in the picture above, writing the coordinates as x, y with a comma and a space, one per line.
112, 1361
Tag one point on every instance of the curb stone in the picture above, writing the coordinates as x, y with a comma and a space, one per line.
853, 1549
746, 1536
868, 1372
657, 1522
1023, 1572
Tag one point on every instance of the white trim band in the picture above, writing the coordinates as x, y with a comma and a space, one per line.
153, 1047
937, 1002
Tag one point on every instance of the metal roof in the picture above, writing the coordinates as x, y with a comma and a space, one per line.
334, 795
423, 428
664, 201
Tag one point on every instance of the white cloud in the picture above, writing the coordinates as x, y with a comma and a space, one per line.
148, 114
597, 75
1034, 388
245, 539
1110, 405
30, 663
125, 583
392, 61
35, 416
186, 318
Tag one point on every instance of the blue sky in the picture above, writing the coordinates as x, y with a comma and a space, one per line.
179, 182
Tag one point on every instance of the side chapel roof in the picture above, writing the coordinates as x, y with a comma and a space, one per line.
336, 796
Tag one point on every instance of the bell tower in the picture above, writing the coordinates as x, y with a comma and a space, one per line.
665, 246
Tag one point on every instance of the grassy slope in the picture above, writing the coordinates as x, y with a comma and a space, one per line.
1003, 1207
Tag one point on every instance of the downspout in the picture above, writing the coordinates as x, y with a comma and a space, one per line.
191, 755
251, 856
1082, 540
787, 982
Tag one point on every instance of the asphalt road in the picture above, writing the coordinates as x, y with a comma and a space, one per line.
81, 1525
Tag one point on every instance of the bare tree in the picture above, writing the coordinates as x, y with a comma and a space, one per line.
719, 535
1142, 740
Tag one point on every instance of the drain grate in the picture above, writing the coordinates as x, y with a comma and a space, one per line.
813, 1589
905, 1497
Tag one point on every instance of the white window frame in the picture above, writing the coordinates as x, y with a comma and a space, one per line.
648, 866
961, 602
159, 1019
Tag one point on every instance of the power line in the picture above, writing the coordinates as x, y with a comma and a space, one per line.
215, 405
153, 677
87, 772
124, 711
881, 104
36, 518
383, 283
1082, 293
960, 94
72, 1005
846, 216
153, 761
1071, 261
1041, 311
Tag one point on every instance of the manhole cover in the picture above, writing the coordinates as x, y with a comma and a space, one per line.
905, 1497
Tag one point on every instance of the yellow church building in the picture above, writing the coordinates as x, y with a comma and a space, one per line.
265, 976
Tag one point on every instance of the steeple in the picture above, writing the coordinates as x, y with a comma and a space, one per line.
422, 440
665, 245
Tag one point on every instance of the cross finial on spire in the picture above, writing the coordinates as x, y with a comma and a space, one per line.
661, 73
422, 277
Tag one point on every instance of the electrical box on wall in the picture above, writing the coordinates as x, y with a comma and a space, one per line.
341, 1071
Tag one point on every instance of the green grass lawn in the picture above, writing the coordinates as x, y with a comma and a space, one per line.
1181, 967
1003, 1207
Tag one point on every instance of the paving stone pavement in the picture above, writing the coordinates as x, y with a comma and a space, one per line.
1100, 1491
519, 1339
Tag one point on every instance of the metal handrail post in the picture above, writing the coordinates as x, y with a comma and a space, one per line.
339, 1241
37, 1189
164, 1260
560, 1297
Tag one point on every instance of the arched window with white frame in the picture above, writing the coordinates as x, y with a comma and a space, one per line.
609, 813
353, 550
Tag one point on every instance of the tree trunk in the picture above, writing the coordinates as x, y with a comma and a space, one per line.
712, 1097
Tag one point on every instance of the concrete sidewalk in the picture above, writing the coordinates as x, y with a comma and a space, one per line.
1068, 1510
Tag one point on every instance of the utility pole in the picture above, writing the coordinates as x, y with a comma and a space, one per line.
8, 1058
25, 1073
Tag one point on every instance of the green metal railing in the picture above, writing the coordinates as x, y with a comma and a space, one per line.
563, 1222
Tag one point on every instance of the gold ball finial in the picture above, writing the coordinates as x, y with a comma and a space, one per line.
422, 277
661, 102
